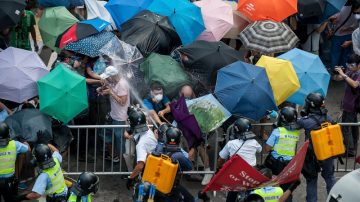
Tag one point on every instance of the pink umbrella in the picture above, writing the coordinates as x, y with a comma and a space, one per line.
218, 19
240, 22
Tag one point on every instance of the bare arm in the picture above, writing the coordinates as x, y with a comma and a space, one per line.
322, 27
155, 116
33, 196
138, 169
93, 81
90, 72
221, 162
268, 148
53, 148
285, 196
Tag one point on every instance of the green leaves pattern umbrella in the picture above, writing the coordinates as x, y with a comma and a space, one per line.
62, 94
53, 22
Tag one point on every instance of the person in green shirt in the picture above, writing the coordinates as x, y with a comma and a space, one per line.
19, 35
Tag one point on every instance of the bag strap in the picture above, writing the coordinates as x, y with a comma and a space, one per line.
342, 24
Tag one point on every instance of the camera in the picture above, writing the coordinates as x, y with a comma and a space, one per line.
335, 72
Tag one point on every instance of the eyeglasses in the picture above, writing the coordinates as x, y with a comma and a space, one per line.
351, 64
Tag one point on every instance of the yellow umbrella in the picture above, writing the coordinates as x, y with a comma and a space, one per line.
282, 77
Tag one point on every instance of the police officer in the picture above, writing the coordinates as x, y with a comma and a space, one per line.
50, 181
144, 138
86, 184
314, 113
9, 149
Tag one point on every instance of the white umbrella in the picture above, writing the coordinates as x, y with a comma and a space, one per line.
96, 9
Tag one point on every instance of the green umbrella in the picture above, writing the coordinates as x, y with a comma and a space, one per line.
53, 22
62, 93
164, 69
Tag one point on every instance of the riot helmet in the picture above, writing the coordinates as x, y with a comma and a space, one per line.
173, 136
43, 156
287, 118
137, 120
254, 198
87, 183
242, 129
162, 132
314, 103
4, 134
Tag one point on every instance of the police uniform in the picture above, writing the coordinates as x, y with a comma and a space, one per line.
8, 154
269, 194
73, 198
51, 182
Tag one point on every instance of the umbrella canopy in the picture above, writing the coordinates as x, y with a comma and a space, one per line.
268, 37
53, 22
240, 22
282, 77
54, 3
268, 9
245, 90
150, 33
123, 10
203, 58
185, 16
91, 45
27, 122
10, 12
331, 7
81, 30
96, 9
310, 8
20, 69
127, 58
63, 94
311, 73
164, 69
218, 18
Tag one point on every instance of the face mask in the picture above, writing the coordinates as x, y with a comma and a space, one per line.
357, 16
158, 97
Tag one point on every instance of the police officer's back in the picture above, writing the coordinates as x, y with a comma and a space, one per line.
86, 184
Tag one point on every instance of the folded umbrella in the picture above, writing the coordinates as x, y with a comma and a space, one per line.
164, 69
10, 12
240, 22
20, 70
268, 9
150, 33
185, 16
311, 73
282, 77
218, 19
245, 90
63, 94
203, 59
123, 10
96, 9
268, 37
53, 22
81, 30
91, 45
27, 122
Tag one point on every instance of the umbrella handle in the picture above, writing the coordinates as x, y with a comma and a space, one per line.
167, 121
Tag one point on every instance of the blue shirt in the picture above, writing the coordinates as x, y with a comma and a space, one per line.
181, 157
3, 115
20, 149
43, 181
156, 106
83, 198
272, 141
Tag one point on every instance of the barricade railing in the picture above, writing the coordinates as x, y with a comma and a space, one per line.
88, 150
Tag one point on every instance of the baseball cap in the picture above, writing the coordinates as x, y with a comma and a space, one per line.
109, 71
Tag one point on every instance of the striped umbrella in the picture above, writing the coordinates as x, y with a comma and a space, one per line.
268, 37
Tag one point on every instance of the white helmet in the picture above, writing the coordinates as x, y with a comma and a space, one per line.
346, 189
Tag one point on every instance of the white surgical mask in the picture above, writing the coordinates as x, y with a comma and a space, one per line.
158, 97
357, 16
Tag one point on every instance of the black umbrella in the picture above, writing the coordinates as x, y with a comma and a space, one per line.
310, 8
203, 59
150, 33
10, 12
27, 122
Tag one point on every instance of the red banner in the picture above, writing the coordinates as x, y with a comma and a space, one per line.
237, 174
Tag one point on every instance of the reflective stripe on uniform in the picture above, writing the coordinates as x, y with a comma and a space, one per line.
57, 179
8, 158
286, 145
270, 194
72, 198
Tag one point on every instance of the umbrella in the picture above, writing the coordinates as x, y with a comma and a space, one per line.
54, 3
240, 22
311, 73
27, 122
218, 19
185, 16
96, 9
203, 58
124, 10
81, 30
268, 37
76, 3
209, 113
331, 7
268, 9
53, 22
245, 90
20, 69
186, 122
150, 33
310, 8
91, 45
127, 58
10, 12
164, 69
282, 77
63, 94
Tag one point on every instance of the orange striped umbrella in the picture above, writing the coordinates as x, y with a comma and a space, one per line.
276, 10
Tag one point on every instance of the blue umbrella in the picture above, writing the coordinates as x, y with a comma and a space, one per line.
97, 23
311, 73
332, 7
245, 90
185, 17
91, 45
54, 3
74, 3
123, 10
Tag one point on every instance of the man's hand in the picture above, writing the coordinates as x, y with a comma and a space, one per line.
346, 44
161, 113
41, 137
340, 71
130, 183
